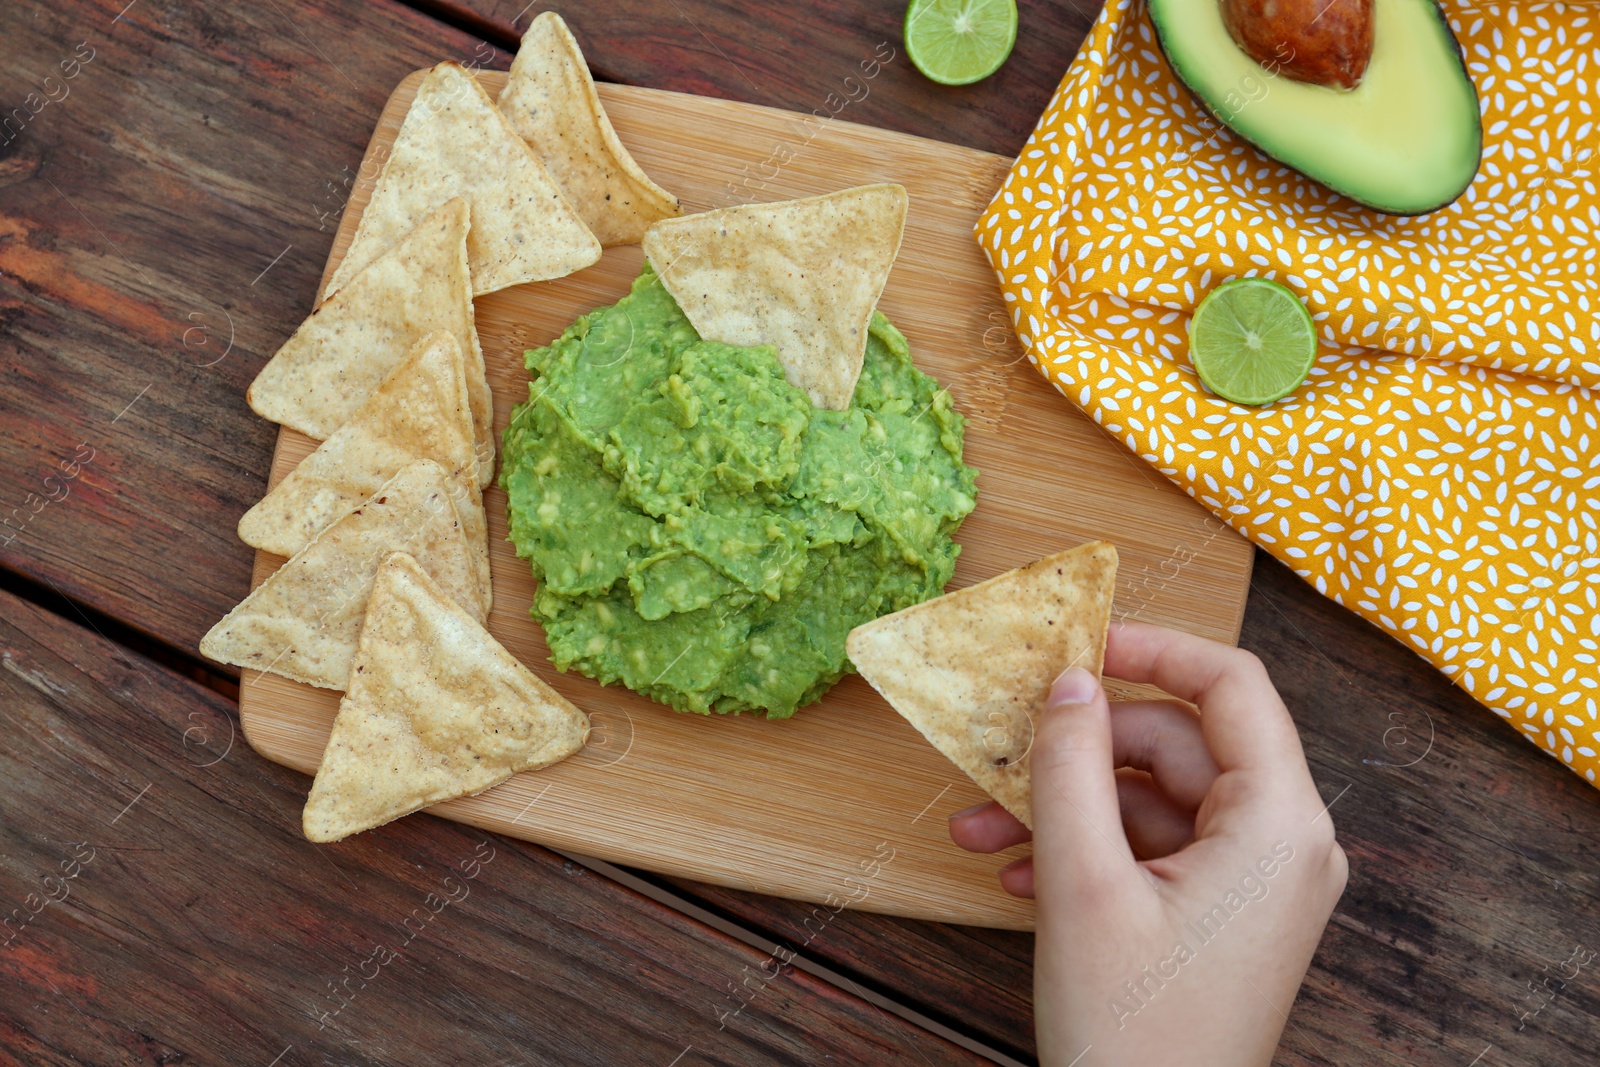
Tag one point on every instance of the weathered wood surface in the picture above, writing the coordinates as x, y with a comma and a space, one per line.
978, 982
1474, 858
794, 55
202, 140
180, 195
162, 907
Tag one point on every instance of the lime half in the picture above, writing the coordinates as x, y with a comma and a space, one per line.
1252, 341
958, 42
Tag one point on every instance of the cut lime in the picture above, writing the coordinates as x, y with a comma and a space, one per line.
958, 42
1252, 341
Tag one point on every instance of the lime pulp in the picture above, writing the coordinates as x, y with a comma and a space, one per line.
1252, 341
958, 42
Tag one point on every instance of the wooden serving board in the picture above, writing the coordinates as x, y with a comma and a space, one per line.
845, 802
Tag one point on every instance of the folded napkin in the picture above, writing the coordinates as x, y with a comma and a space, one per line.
1438, 472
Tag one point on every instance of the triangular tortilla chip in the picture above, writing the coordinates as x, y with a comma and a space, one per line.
801, 275
305, 620
552, 104
419, 412
455, 142
345, 349
971, 669
436, 709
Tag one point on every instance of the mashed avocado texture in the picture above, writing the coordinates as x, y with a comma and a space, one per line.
699, 531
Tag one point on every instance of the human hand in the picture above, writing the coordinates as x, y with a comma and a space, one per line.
1185, 865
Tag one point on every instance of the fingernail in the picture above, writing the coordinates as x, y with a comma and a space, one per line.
1075, 686
1014, 864
964, 812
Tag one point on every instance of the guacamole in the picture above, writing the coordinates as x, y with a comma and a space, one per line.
699, 531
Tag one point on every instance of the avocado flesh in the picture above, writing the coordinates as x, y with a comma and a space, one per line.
1405, 141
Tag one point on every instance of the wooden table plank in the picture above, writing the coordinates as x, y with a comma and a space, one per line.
181, 194
194, 921
978, 982
1474, 858
794, 56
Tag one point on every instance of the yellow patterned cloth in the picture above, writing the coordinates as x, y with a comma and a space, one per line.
1439, 472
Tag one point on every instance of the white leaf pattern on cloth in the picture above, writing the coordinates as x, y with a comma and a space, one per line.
1439, 472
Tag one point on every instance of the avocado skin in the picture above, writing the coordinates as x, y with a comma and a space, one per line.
1156, 9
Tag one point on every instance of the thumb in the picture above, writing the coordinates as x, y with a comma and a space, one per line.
1077, 821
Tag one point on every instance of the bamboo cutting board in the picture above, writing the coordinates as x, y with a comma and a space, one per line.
845, 803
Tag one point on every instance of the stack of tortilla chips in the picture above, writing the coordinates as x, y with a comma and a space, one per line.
387, 583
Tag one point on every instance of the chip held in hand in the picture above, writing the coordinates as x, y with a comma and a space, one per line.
971, 669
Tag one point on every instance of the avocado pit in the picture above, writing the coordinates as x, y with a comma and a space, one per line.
1322, 42
1394, 123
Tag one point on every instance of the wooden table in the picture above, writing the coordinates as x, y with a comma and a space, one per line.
162, 226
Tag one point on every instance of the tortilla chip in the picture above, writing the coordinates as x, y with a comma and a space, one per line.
419, 412
801, 275
455, 142
343, 351
552, 104
436, 709
305, 620
972, 668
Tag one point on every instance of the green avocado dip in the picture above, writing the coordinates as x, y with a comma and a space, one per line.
699, 531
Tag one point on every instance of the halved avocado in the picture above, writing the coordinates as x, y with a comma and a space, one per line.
1405, 141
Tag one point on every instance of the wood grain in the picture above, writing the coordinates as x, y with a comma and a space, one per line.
792, 56
850, 782
1474, 857
198, 926
162, 227
977, 981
